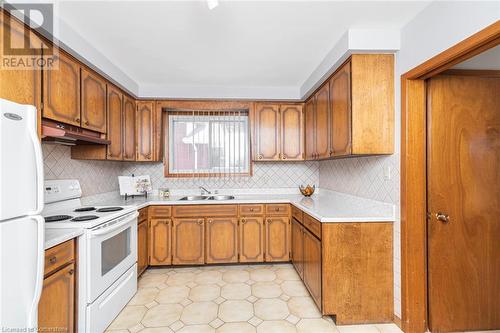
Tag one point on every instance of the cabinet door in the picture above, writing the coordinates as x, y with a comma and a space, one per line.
312, 266
322, 122
20, 84
267, 132
310, 129
128, 128
340, 96
292, 132
56, 309
298, 247
145, 131
221, 240
251, 239
277, 239
61, 90
93, 101
142, 247
188, 236
160, 241
115, 124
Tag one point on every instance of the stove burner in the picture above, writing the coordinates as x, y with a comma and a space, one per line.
55, 218
109, 209
84, 218
84, 209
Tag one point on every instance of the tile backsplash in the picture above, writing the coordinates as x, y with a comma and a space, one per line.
101, 176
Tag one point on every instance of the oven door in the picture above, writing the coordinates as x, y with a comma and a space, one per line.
112, 251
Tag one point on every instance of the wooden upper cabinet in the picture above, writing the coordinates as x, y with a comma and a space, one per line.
251, 239
312, 266
129, 112
145, 131
340, 97
188, 241
56, 309
267, 132
322, 122
61, 90
221, 240
115, 124
292, 132
93, 90
160, 241
310, 131
277, 239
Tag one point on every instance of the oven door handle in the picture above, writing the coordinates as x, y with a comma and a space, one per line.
105, 231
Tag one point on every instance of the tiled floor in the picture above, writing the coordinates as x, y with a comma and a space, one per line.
238, 299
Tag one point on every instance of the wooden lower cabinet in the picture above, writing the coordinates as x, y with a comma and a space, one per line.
298, 247
142, 246
251, 239
312, 265
277, 231
160, 241
188, 241
56, 309
221, 240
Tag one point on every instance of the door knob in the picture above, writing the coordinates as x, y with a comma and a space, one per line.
442, 217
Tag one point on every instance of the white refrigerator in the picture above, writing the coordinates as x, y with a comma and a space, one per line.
21, 226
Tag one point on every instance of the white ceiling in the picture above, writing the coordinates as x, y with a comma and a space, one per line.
181, 45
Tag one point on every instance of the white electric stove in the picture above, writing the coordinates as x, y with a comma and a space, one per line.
107, 252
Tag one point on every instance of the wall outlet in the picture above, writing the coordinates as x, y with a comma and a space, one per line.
387, 172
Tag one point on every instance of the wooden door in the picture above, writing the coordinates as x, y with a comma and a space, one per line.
310, 129
292, 132
298, 247
267, 132
56, 309
142, 246
145, 131
188, 238
251, 239
277, 239
340, 96
21, 85
312, 266
160, 241
115, 124
463, 157
128, 128
93, 101
221, 241
61, 90
322, 122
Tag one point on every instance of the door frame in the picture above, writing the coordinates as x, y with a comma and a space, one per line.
413, 172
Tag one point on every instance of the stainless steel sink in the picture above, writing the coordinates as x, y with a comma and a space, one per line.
194, 197
221, 197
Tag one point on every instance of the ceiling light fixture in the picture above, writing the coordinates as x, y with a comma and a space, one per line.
212, 4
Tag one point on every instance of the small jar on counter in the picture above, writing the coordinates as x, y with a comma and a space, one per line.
164, 193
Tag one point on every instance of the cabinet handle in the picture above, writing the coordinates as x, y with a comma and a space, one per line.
86, 122
243, 221
71, 271
210, 221
77, 120
200, 221
251, 209
277, 209
268, 220
165, 221
331, 152
148, 156
53, 260
283, 157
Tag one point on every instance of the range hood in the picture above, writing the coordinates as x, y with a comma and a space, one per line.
59, 133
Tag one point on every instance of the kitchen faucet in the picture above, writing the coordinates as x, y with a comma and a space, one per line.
204, 191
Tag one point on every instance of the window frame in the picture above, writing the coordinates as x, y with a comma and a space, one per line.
166, 143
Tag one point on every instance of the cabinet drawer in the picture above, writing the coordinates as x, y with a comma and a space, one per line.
278, 209
246, 210
297, 214
143, 214
313, 225
205, 210
58, 256
162, 211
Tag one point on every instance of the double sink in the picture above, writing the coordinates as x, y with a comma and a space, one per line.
207, 197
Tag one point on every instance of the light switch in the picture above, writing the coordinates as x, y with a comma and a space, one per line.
387, 172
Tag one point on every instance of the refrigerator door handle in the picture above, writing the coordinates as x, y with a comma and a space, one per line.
37, 147
33, 315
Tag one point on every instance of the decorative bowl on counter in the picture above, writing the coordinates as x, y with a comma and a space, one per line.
308, 190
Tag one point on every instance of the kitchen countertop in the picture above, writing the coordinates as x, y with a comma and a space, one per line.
325, 205
55, 237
